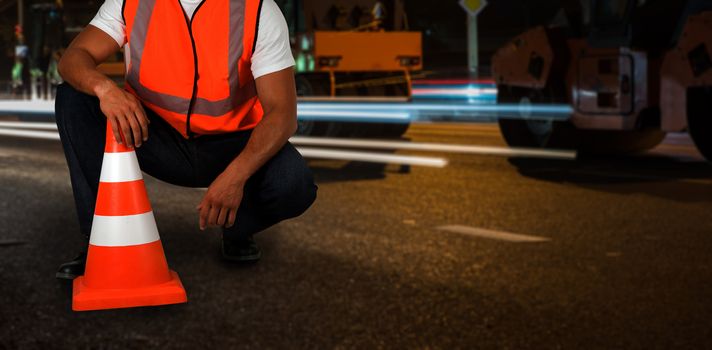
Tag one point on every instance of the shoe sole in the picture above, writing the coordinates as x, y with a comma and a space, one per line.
244, 258
65, 276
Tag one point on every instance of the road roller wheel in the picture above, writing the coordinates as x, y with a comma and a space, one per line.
530, 132
311, 86
564, 135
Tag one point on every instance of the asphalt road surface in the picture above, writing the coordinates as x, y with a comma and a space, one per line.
488, 252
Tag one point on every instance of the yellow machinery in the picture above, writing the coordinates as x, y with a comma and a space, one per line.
355, 50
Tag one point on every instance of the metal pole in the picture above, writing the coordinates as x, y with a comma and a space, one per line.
472, 46
20, 13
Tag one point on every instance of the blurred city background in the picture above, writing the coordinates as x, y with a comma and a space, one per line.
492, 174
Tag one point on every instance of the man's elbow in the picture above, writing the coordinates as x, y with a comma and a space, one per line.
64, 64
289, 121
73, 58
282, 117
294, 125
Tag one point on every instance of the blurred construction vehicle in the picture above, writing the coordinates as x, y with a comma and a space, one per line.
353, 50
631, 69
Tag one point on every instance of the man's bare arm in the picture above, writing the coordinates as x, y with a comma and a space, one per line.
278, 96
78, 67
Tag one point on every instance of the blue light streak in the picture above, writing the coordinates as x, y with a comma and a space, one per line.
405, 112
470, 92
376, 112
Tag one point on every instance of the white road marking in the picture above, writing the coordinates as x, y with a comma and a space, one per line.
434, 147
492, 234
371, 157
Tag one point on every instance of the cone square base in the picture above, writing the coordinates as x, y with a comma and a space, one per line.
85, 298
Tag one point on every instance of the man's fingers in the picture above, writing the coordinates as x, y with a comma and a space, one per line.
204, 211
203, 203
143, 121
231, 218
115, 129
135, 129
126, 130
137, 107
222, 216
214, 211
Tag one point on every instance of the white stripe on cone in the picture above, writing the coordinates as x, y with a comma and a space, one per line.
120, 231
120, 167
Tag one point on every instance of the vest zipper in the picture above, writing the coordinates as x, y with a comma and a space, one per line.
193, 95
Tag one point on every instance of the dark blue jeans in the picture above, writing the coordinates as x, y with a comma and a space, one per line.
282, 188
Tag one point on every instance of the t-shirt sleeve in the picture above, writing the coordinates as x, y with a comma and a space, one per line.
272, 50
110, 20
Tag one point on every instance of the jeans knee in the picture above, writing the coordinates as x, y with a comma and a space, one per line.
298, 193
71, 102
66, 95
308, 196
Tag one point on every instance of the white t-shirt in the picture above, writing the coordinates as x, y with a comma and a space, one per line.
272, 51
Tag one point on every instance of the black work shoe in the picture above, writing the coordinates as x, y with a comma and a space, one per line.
241, 250
72, 269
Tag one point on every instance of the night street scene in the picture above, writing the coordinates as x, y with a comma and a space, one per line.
356, 174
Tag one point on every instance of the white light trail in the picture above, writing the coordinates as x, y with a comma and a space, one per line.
25, 106
32, 134
372, 157
357, 115
28, 125
455, 92
336, 142
321, 153
435, 147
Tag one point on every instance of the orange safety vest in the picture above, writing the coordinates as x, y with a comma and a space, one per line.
194, 73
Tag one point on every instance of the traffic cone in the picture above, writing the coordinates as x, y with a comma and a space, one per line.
126, 266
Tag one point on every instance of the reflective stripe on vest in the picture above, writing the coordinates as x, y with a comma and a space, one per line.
237, 94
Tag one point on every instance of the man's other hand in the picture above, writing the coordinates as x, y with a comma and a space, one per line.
219, 206
124, 112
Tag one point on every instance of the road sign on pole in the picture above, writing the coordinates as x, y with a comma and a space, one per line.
473, 8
